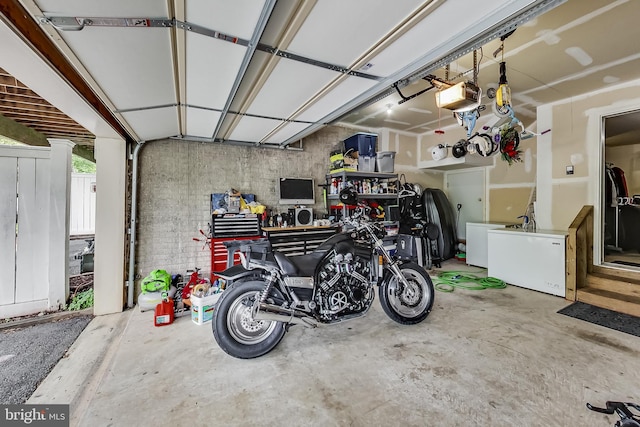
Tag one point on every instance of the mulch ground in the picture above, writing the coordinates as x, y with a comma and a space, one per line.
80, 282
77, 283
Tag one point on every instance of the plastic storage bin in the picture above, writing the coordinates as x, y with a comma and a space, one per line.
363, 143
202, 308
385, 161
366, 164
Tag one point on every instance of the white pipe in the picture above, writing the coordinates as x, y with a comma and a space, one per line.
132, 225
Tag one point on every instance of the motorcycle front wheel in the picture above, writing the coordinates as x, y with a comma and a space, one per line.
234, 328
411, 304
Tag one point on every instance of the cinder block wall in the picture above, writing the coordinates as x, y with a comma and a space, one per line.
177, 178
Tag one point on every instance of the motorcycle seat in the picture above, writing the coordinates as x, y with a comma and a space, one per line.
305, 265
298, 266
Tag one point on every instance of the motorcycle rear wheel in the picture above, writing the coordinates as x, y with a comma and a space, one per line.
233, 327
408, 305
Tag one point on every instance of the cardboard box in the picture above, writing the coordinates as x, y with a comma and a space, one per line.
342, 163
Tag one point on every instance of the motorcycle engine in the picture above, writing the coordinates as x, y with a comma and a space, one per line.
344, 286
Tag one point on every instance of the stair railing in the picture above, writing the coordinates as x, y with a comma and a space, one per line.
579, 252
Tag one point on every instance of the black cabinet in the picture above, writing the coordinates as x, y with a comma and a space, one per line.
297, 240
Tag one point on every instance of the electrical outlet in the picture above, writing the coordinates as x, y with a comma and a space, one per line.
570, 170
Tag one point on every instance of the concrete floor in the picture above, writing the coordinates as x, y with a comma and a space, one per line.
486, 358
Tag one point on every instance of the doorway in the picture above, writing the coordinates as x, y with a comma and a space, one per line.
465, 190
621, 191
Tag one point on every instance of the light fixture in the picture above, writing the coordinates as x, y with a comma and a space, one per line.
458, 96
389, 108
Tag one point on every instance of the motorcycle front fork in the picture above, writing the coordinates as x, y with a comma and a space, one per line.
391, 263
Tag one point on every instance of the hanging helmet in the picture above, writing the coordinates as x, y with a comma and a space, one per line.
471, 148
439, 152
459, 149
349, 196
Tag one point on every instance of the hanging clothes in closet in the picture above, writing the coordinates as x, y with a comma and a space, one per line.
622, 215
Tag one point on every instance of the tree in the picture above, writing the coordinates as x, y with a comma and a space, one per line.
81, 165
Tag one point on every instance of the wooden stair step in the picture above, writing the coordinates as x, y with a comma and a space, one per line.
613, 283
616, 272
622, 303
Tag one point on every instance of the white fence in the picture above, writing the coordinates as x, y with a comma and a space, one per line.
33, 212
83, 204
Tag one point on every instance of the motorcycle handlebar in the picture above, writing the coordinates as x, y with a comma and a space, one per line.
357, 218
621, 408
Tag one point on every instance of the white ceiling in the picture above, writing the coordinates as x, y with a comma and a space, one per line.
198, 76
576, 48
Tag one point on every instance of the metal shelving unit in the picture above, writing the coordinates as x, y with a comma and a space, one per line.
385, 197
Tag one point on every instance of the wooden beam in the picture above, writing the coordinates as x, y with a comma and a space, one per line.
22, 91
22, 99
572, 271
25, 107
17, 16
47, 123
21, 133
36, 115
581, 256
578, 252
13, 105
9, 80
52, 126
589, 242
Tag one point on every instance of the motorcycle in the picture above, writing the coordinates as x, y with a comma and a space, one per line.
270, 291
624, 410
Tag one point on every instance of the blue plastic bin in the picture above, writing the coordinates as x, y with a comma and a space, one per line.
363, 143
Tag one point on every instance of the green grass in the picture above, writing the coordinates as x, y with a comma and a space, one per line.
81, 300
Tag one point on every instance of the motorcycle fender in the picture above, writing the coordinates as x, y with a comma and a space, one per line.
237, 272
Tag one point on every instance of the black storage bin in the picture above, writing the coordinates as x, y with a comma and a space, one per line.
363, 143
408, 247
411, 248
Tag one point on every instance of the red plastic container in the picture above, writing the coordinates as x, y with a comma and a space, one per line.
164, 313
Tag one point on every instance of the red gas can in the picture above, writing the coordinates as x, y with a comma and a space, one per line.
164, 313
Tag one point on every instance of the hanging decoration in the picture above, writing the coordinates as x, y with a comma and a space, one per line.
509, 145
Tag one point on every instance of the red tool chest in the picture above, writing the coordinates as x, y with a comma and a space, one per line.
229, 227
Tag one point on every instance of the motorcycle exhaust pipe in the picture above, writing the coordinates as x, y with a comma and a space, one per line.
286, 315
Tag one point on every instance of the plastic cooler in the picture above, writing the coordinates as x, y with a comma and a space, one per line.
385, 161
